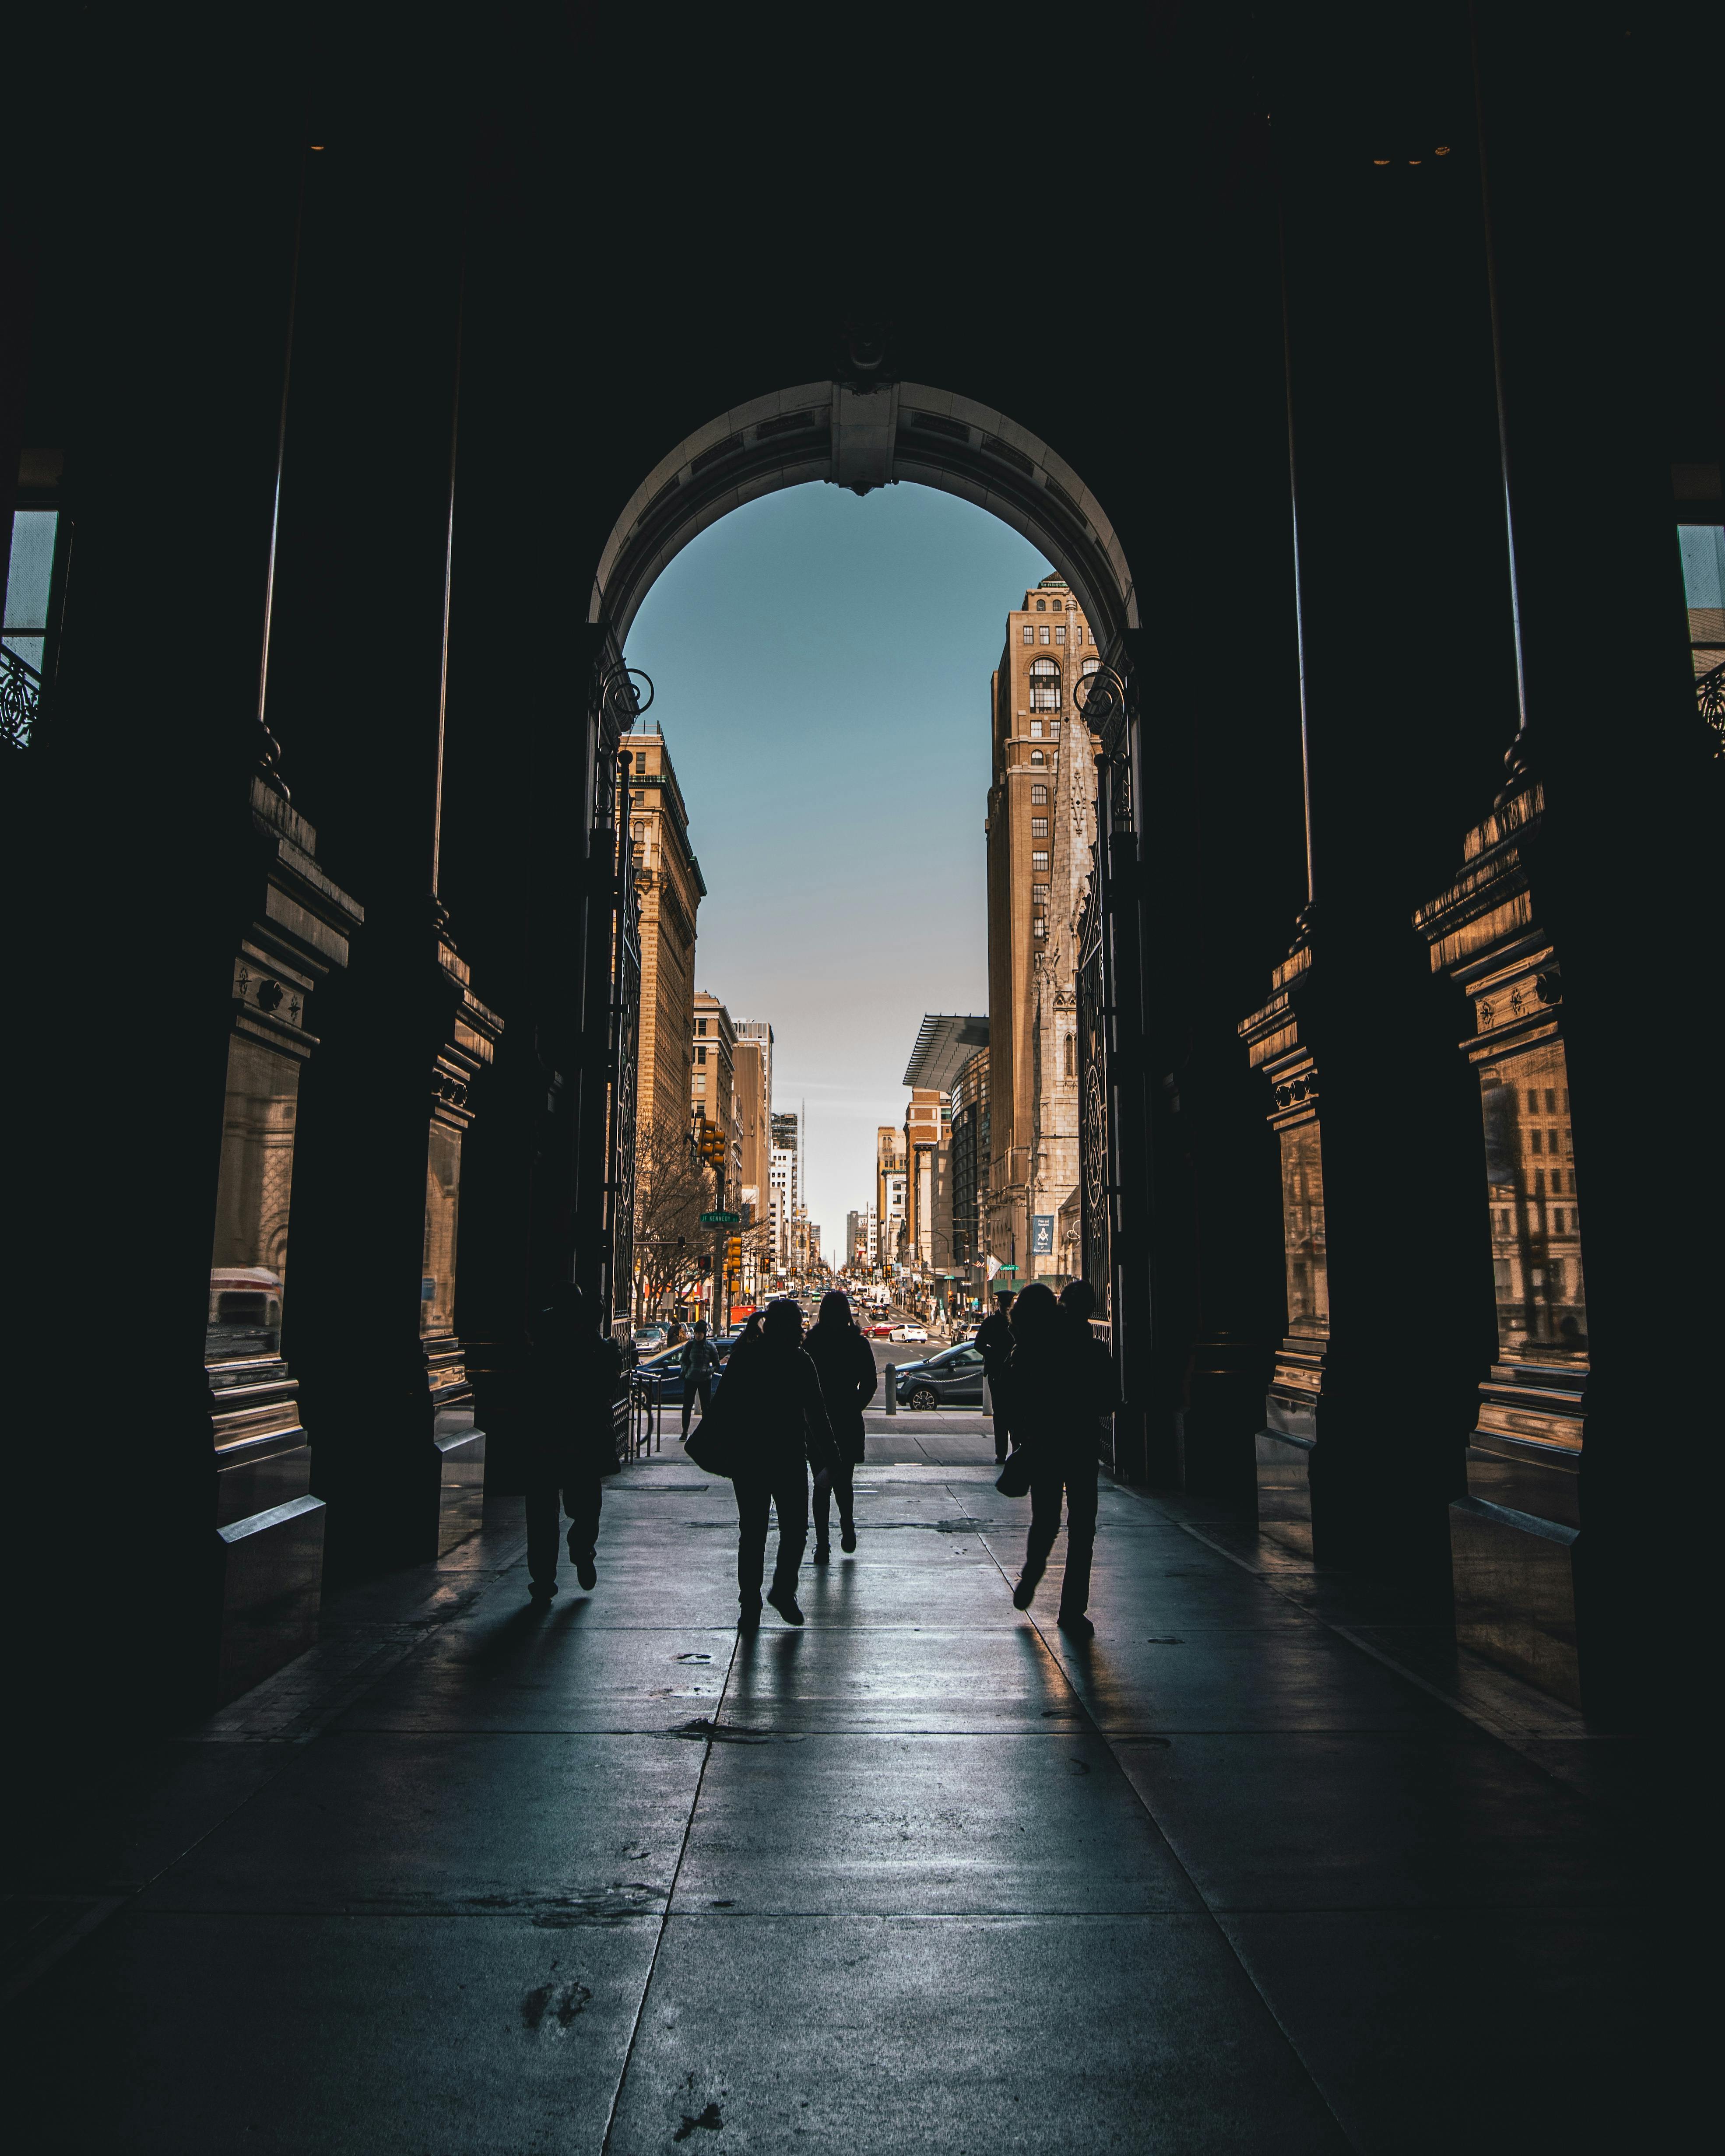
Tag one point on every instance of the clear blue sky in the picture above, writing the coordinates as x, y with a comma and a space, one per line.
822, 666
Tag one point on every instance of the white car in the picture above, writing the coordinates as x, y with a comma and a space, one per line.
910, 1333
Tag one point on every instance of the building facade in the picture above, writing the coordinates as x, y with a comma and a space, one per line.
1041, 837
890, 1195
712, 1081
752, 1063
668, 881
969, 1106
928, 1192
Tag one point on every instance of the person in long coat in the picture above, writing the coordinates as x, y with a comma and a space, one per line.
775, 1409
1060, 1381
993, 1340
574, 1376
848, 1381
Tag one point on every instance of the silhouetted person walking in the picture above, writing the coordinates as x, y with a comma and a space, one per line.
774, 1404
993, 1340
699, 1363
848, 1381
574, 1375
1061, 1380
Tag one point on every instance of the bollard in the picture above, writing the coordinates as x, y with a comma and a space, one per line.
988, 1397
892, 1389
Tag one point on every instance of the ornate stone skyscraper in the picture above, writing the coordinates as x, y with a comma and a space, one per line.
1041, 829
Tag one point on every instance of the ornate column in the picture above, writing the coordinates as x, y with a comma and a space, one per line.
1513, 1536
1397, 545
270, 1528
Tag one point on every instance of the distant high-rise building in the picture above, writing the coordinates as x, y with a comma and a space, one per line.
1041, 834
969, 1102
752, 1063
945, 1045
668, 882
787, 1192
889, 1192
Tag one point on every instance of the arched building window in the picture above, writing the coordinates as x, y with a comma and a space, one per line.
1037, 757
1044, 685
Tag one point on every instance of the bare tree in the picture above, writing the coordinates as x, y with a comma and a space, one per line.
672, 1251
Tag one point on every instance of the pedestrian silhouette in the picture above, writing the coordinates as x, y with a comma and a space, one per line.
574, 1377
993, 1340
699, 1363
1060, 1381
778, 1418
848, 1381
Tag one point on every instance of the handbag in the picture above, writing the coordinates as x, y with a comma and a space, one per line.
712, 1444
1014, 1480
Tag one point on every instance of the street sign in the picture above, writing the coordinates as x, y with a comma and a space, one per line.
720, 1220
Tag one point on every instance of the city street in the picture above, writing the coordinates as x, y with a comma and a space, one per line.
467, 1878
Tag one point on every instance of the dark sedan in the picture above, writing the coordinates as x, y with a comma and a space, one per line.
667, 1366
953, 1379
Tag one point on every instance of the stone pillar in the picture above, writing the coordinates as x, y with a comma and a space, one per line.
269, 1528
1578, 922
365, 627
1513, 1535
1406, 669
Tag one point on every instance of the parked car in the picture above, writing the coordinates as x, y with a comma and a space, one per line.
667, 1366
647, 1337
953, 1378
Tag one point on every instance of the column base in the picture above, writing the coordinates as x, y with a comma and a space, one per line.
1284, 1478
1514, 1579
462, 1490
270, 1568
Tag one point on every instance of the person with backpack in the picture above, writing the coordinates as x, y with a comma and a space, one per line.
848, 1380
574, 1376
699, 1364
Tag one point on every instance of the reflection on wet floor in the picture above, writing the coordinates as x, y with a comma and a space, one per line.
519, 1875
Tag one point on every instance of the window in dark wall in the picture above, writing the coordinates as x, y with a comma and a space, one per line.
29, 585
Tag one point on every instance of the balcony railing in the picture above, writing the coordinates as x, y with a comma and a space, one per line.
20, 698
1710, 696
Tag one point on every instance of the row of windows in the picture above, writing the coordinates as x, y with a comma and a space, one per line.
1564, 1221
1059, 632
1552, 1273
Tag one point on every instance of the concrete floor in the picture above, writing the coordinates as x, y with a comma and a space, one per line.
1265, 1866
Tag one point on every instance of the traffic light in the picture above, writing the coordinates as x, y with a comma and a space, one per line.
711, 1145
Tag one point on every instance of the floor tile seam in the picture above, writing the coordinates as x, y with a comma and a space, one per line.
1512, 1739
665, 1912
1295, 2051
1111, 1732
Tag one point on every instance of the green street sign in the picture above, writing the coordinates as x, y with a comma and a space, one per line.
722, 1219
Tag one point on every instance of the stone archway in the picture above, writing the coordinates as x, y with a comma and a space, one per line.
878, 434
864, 435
